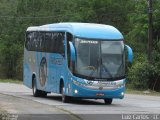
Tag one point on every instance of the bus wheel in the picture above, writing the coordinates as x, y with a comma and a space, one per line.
36, 92
65, 98
108, 101
34, 88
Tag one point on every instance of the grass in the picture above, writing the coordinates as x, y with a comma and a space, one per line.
3, 115
142, 92
10, 81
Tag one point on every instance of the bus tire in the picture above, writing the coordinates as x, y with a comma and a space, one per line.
65, 98
36, 92
108, 101
42, 93
34, 88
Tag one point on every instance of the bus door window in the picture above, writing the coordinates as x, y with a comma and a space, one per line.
69, 38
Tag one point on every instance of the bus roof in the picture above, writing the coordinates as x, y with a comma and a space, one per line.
84, 30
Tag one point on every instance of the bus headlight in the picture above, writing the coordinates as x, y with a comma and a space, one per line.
78, 83
122, 93
120, 84
75, 91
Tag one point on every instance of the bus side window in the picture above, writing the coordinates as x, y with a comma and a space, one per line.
58, 40
36, 41
52, 43
29, 41
42, 42
32, 41
48, 44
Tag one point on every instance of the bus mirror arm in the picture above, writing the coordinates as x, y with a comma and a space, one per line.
130, 53
73, 52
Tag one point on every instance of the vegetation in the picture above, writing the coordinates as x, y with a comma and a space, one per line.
142, 92
3, 115
129, 16
10, 81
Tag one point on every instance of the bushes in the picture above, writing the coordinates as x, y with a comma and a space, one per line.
138, 75
142, 75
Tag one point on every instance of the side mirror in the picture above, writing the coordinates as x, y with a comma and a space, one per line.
73, 52
130, 53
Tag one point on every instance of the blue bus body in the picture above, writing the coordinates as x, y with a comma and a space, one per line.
48, 70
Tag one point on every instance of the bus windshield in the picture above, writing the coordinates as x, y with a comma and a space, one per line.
99, 59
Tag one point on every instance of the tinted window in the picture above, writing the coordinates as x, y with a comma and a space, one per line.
58, 42
45, 42
30, 40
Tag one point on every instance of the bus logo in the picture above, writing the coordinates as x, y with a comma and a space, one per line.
90, 82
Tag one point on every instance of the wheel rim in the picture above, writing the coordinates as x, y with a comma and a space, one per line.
63, 96
34, 88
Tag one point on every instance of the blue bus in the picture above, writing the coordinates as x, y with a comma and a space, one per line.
77, 60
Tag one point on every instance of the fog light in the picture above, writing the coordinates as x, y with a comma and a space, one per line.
122, 93
75, 91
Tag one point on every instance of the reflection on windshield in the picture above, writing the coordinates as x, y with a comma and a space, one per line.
99, 59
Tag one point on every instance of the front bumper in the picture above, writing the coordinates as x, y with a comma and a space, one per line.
83, 92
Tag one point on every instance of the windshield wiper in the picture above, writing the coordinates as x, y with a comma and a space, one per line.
103, 66
119, 69
120, 65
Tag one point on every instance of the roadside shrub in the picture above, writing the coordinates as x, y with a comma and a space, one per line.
142, 75
154, 82
139, 75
